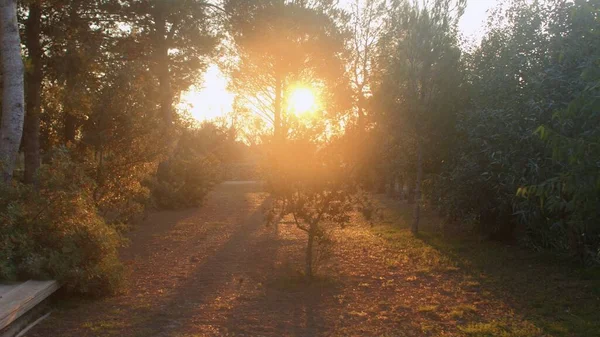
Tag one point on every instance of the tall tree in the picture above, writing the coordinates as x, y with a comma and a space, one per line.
280, 44
176, 39
423, 59
76, 34
13, 100
366, 25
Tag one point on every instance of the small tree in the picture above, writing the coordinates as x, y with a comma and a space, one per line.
311, 185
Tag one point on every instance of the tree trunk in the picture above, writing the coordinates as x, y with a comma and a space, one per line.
277, 112
71, 122
162, 63
361, 120
400, 186
417, 207
410, 197
164, 82
13, 114
308, 272
390, 185
33, 80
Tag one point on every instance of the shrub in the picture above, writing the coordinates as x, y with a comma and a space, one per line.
55, 232
184, 182
191, 171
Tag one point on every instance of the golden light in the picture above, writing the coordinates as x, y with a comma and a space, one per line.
302, 100
211, 101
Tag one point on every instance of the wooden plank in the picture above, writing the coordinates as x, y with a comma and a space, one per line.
31, 325
23, 298
5, 288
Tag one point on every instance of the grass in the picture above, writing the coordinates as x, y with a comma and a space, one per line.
545, 297
463, 311
501, 329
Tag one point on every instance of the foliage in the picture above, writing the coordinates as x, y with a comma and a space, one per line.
314, 189
417, 93
195, 166
481, 179
56, 232
105, 75
537, 65
281, 45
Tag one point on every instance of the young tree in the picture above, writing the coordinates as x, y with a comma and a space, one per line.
314, 189
13, 101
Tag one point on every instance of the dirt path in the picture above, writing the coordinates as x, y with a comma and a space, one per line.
204, 272
219, 271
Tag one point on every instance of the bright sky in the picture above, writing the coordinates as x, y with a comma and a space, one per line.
475, 17
212, 100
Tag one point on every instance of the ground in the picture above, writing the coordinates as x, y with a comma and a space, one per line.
220, 271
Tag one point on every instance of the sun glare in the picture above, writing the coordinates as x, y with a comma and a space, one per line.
211, 101
302, 101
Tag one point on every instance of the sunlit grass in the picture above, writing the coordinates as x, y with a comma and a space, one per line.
542, 296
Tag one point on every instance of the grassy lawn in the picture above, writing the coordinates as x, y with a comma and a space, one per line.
519, 292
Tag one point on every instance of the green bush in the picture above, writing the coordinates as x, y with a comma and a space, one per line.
193, 168
184, 182
55, 232
526, 149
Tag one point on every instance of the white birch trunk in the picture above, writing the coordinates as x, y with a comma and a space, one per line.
13, 113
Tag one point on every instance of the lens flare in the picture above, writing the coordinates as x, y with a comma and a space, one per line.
302, 101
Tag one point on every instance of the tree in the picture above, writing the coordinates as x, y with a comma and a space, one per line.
504, 79
175, 38
95, 118
282, 44
366, 25
13, 101
314, 189
570, 192
420, 59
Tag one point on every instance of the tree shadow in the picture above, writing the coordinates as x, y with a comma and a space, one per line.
289, 305
535, 285
528, 291
220, 270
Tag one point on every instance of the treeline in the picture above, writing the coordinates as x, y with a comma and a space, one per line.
102, 140
503, 138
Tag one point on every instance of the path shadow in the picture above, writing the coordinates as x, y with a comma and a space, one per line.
190, 303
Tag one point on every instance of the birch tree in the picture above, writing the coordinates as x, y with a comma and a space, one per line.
13, 113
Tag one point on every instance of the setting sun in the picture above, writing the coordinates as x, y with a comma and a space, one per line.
302, 100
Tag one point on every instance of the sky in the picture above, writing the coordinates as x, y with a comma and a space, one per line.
212, 100
473, 21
